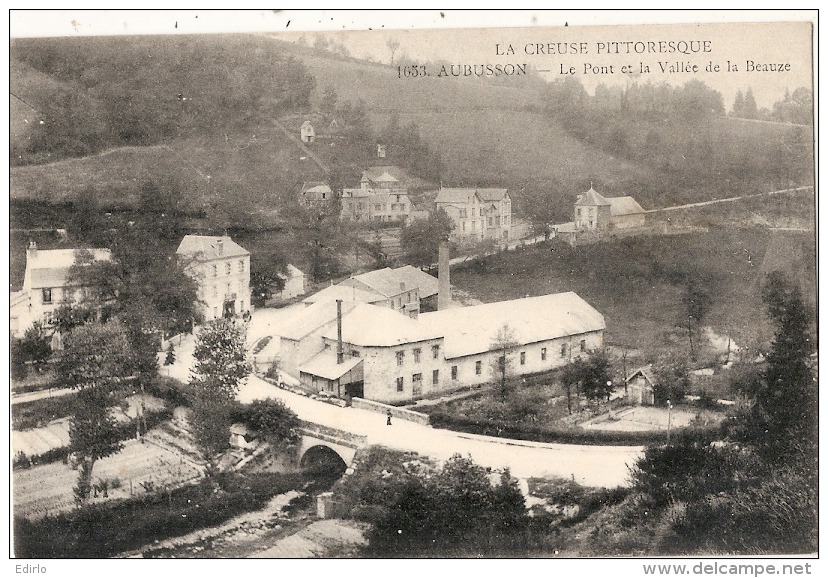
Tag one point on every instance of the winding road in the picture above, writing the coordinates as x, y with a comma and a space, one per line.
597, 466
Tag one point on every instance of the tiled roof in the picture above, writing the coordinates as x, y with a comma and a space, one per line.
206, 248
455, 196
591, 198
311, 318
374, 326
413, 277
346, 294
470, 330
383, 281
624, 206
324, 365
493, 194
50, 268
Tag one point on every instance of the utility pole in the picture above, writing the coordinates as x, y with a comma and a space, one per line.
669, 419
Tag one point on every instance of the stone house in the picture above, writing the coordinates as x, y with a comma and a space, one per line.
477, 213
387, 356
46, 285
221, 269
594, 212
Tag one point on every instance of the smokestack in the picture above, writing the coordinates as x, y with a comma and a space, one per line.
340, 356
443, 281
32, 250
220, 246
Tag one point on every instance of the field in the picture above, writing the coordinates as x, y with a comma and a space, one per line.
637, 283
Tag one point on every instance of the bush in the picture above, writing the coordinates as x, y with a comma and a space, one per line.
271, 419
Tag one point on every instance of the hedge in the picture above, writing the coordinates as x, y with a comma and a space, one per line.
550, 434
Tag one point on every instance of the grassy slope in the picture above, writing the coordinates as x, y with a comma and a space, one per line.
622, 281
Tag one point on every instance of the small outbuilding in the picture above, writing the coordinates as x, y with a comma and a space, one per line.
640, 386
307, 132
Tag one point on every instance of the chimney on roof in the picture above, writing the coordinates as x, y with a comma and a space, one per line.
220, 246
340, 355
443, 281
31, 251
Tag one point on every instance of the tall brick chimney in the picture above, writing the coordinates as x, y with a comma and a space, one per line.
340, 355
443, 280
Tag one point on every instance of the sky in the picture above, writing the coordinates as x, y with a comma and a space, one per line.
471, 38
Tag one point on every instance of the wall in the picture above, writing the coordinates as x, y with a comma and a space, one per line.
396, 412
382, 371
213, 287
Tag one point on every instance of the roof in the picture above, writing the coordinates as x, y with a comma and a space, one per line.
307, 123
310, 319
470, 330
624, 206
492, 195
375, 326
646, 371
356, 193
566, 227
455, 195
206, 248
346, 294
315, 187
50, 268
324, 365
291, 272
591, 198
383, 281
426, 284
385, 178
240, 429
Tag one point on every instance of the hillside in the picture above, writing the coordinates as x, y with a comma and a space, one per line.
199, 108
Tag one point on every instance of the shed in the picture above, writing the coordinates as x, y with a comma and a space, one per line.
640, 386
307, 132
243, 437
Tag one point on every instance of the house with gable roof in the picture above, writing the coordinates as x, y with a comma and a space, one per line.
595, 212
221, 269
46, 285
478, 213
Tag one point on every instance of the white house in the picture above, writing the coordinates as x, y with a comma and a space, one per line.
221, 268
46, 285
294, 280
388, 356
593, 212
477, 213
306, 132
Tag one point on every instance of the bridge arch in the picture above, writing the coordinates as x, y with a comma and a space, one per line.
323, 458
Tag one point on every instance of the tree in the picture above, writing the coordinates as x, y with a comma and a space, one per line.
329, 100
220, 361
751, 110
273, 420
502, 346
672, 379
571, 381
393, 44
738, 104
267, 270
788, 399
596, 381
697, 302
455, 511
421, 239
96, 361
34, 346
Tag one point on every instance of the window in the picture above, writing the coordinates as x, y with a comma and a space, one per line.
462, 213
472, 213
417, 355
215, 270
399, 384
435, 376
241, 266
323, 195
583, 344
454, 372
579, 213
47, 295
474, 225
543, 354
491, 221
227, 268
464, 225
377, 207
523, 358
478, 367
417, 379
563, 350
355, 353
409, 296
435, 351
400, 357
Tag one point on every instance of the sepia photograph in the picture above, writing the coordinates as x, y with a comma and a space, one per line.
414, 284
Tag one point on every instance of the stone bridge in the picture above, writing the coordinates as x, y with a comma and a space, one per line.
326, 447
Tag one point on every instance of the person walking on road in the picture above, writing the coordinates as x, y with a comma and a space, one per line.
388, 420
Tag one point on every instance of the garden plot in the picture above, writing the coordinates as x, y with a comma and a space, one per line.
137, 469
643, 418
